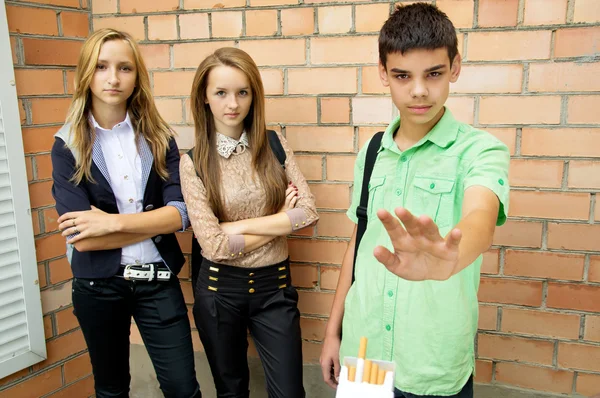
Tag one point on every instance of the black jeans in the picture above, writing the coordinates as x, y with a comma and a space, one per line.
104, 308
466, 392
229, 301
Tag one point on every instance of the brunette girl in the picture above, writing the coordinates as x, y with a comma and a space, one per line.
242, 203
116, 186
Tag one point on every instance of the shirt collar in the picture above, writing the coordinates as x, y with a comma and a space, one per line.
442, 134
227, 145
127, 121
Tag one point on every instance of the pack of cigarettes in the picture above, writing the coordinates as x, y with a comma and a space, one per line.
361, 377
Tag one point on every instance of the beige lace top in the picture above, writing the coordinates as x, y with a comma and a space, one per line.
243, 198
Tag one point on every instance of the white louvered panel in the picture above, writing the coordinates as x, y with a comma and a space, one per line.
22, 342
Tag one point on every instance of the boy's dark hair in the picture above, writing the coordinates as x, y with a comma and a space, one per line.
417, 26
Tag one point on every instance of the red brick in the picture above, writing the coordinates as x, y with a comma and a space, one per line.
577, 42
573, 296
193, 26
49, 110
173, 83
336, 225
321, 251
491, 262
488, 317
520, 110
189, 55
50, 220
311, 167
77, 368
536, 173
535, 377
560, 142
509, 46
29, 168
39, 81
35, 220
38, 21
276, 51
62, 347
334, 50
83, 388
544, 265
594, 271
584, 174
588, 384
329, 277
40, 194
322, 80
365, 133
315, 303
136, 6
331, 196
75, 24
132, 25
313, 328
579, 109
227, 24
371, 110
35, 386
519, 233
162, 27
261, 22
489, 79
311, 352
540, 323
515, 349
13, 49
555, 205
48, 333
196, 4
483, 371
305, 275
51, 52
337, 19
510, 291
63, 3
291, 110
371, 82
340, 168
170, 109
370, 17
104, 7
38, 139
460, 12
563, 76
297, 21
22, 115
592, 328
498, 13
70, 78
579, 356
335, 110
43, 167
155, 55
14, 377
545, 12
49, 246
66, 321
573, 236
586, 11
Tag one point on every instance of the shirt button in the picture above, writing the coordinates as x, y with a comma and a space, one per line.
125, 177
158, 239
251, 290
130, 200
388, 327
398, 192
149, 207
501, 181
390, 293
432, 185
120, 156
403, 158
137, 261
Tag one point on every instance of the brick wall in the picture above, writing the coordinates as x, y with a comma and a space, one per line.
45, 37
529, 77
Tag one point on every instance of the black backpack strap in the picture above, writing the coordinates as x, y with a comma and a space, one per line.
361, 210
276, 147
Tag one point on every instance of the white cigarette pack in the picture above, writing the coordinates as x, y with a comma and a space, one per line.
359, 389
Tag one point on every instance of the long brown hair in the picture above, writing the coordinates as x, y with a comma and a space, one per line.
205, 156
144, 116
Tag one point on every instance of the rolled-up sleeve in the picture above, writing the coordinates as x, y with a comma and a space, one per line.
216, 245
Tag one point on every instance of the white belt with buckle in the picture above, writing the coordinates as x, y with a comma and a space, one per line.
145, 274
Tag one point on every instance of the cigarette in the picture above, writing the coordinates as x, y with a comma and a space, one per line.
362, 348
381, 376
374, 374
351, 373
367, 371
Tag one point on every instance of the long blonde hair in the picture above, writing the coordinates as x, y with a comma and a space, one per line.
144, 116
205, 155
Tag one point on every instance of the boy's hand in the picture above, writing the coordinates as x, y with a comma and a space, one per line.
330, 360
420, 252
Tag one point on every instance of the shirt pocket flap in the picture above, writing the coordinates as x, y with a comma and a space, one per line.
376, 182
434, 185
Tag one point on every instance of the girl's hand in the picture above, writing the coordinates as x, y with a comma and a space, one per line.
87, 224
291, 196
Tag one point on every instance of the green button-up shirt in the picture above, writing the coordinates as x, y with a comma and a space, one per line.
427, 328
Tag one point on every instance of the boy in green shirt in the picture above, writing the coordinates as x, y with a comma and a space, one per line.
417, 275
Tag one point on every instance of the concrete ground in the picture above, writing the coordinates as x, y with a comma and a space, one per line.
144, 384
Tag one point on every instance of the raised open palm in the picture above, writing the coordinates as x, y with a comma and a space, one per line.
420, 252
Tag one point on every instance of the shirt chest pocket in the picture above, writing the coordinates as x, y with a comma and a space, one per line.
434, 197
376, 196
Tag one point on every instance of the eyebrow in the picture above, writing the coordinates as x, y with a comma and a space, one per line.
223, 88
432, 69
119, 63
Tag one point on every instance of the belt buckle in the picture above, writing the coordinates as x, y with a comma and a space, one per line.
128, 272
